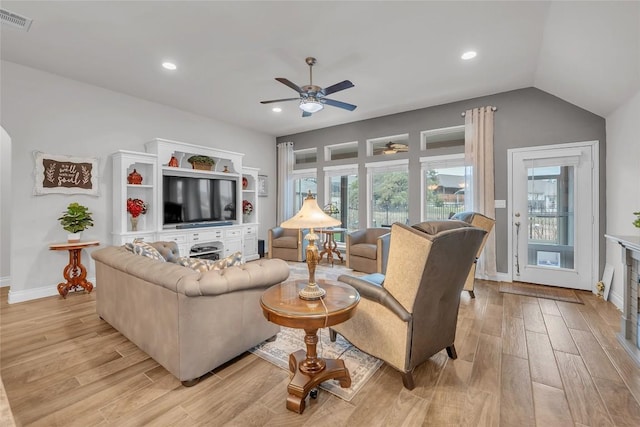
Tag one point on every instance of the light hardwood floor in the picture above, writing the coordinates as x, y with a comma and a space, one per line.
521, 361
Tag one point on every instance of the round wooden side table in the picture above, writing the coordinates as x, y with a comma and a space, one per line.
74, 273
282, 305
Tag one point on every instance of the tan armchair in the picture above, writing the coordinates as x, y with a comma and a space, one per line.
477, 220
368, 250
413, 314
287, 244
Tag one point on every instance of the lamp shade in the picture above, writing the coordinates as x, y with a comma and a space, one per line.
311, 105
310, 216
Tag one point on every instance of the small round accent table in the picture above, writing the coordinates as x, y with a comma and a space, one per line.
74, 273
281, 305
330, 246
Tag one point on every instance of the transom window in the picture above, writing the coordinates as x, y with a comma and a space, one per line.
306, 156
347, 150
447, 138
388, 145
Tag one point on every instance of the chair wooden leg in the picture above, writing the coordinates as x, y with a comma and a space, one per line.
471, 294
407, 380
451, 351
332, 335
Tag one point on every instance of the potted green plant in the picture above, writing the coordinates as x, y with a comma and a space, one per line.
636, 222
201, 162
75, 220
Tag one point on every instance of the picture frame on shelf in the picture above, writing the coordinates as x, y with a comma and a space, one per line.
263, 186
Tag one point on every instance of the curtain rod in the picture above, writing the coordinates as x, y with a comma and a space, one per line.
492, 109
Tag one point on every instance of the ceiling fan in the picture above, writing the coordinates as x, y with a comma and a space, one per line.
392, 148
313, 98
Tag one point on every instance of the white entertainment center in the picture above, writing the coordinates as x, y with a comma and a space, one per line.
211, 239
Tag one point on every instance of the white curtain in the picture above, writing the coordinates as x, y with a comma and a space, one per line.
284, 208
479, 179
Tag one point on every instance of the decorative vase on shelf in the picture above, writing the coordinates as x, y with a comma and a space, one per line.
173, 162
134, 223
245, 183
134, 178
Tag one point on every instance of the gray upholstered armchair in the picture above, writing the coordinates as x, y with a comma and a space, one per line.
477, 220
287, 244
368, 250
412, 315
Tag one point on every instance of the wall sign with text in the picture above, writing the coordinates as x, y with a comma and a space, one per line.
65, 175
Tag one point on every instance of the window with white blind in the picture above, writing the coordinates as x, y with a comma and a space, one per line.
443, 185
387, 193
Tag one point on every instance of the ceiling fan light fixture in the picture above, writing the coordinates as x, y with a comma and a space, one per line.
311, 105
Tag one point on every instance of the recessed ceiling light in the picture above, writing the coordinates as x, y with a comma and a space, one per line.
169, 65
276, 109
469, 55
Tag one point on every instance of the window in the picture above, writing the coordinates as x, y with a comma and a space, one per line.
448, 138
388, 145
347, 150
308, 155
388, 193
303, 182
342, 200
443, 184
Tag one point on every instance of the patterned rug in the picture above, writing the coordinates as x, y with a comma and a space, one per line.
540, 291
361, 366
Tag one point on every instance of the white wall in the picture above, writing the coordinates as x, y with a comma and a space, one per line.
5, 207
623, 184
44, 112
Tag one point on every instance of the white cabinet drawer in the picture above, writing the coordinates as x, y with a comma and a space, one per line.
251, 230
206, 236
233, 233
178, 238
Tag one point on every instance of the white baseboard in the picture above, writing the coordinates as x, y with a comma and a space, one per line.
36, 293
499, 277
5, 281
616, 300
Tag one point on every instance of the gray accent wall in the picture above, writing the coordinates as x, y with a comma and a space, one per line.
525, 118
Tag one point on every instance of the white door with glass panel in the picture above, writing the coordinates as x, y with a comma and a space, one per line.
553, 211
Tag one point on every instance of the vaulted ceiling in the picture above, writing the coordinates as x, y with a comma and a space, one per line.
400, 55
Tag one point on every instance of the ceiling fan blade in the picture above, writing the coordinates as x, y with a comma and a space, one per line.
337, 87
279, 100
290, 84
338, 104
306, 114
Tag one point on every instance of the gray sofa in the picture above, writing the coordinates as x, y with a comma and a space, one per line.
189, 322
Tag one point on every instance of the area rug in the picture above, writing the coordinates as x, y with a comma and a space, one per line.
361, 366
540, 291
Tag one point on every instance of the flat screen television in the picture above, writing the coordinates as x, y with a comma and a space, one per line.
198, 200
